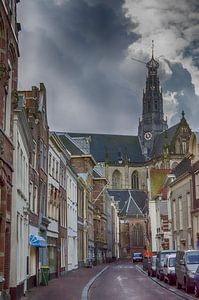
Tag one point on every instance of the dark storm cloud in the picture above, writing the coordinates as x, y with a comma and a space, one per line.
81, 50
76, 48
180, 82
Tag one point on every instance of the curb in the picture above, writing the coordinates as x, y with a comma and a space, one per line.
177, 293
89, 284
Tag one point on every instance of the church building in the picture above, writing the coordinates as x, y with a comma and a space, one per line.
126, 161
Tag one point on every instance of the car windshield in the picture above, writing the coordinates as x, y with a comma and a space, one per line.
172, 262
192, 258
137, 254
163, 255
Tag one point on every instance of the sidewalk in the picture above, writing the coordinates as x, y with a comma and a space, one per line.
69, 287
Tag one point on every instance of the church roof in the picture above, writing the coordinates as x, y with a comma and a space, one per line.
164, 138
111, 148
130, 202
183, 167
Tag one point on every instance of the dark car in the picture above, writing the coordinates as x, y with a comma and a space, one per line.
196, 283
152, 266
187, 263
137, 257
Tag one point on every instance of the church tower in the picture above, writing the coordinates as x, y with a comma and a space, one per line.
152, 122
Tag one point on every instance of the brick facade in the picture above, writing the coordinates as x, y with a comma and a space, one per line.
8, 84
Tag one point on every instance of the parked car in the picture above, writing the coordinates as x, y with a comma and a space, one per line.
187, 263
169, 269
152, 266
196, 283
137, 257
160, 262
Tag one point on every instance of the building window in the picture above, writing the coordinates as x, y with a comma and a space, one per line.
44, 158
180, 212
50, 163
174, 215
184, 147
41, 154
116, 180
197, 185
35, 199
34, 155
189, 209
137, 236
31, 196
135, 181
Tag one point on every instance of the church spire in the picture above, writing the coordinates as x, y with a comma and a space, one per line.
152, 47
152, 122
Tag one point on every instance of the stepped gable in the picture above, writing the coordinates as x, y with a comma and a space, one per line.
164, 138
130, 202
111, 148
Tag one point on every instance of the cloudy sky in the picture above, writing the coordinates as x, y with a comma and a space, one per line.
82, 50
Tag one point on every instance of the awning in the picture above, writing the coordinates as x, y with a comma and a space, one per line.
37, 241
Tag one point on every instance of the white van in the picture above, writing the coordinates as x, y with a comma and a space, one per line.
169, 269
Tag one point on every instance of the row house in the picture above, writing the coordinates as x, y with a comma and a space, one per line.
82, 163
9, 53
180, 205
22, 142
112, 228
82, 220
71, 178
35, 106
194, 195
182, 194
53, 206
101, 211
158, 209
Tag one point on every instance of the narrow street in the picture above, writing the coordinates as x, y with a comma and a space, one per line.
124, 281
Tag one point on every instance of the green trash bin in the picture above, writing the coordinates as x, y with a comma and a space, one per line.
44, 275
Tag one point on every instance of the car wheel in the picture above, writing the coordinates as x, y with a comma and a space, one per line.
178, 285
196, 291
157, 275
161, 277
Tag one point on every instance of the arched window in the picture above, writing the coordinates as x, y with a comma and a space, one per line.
116, 180
138, 235
135, 180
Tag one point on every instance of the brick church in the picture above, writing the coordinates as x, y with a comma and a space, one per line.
126, 161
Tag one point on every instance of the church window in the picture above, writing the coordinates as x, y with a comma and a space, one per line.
184, 147
116, 180
137, 235
177, 147
135, 181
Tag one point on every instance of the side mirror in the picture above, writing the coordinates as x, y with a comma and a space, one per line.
182, 262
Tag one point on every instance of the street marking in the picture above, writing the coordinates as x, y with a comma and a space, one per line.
89, 284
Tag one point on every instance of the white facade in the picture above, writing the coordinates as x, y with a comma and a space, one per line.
72, 219
20, 203
53, 205
153, 223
